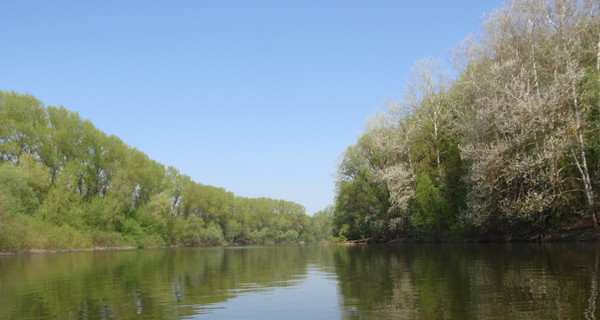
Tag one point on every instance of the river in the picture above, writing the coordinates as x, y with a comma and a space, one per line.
403, 281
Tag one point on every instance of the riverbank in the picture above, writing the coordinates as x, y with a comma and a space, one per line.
45, 251
579, 231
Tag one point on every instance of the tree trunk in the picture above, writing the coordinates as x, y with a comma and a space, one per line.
582, 163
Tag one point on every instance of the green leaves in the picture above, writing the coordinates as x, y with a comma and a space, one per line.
68, 175
434, 211
16, 195
24, 125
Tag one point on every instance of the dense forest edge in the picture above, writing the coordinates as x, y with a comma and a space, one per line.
65, 184
509, 149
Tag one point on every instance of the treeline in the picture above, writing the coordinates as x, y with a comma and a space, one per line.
511, 145
66, 184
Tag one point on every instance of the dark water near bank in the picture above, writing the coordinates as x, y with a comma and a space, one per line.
416, 281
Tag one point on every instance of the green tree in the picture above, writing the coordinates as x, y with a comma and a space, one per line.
16, 195
434, 212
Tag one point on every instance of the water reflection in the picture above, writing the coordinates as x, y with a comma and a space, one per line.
489, 281
160, 283
425, 281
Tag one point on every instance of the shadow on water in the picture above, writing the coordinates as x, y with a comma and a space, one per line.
404, 281
470, 281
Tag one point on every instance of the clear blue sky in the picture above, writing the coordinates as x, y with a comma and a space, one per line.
258, 97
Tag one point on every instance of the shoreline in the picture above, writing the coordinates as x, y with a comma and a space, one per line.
48, 251
567, 235
66, 250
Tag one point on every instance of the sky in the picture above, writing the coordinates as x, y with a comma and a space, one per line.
258, 97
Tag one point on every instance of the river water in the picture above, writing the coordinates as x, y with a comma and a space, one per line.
404, 281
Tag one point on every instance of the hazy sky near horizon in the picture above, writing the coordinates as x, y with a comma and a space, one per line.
257, 97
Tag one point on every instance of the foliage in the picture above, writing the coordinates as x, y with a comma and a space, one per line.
511, 144
66, 184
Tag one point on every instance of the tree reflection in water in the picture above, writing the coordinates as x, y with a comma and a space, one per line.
416, 281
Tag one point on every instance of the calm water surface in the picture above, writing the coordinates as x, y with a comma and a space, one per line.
416, 281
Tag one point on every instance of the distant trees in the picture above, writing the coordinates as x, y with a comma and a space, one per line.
513, 143
66, 184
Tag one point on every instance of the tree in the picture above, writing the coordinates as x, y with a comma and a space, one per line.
362, 201
530, 112
426, 95
24, 122
433, 213
322, 224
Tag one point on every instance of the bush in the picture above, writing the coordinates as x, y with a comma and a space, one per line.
107, 239
193, 231
214, 235
22, 233
433, 210
151, 241
104, 213
16, 196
